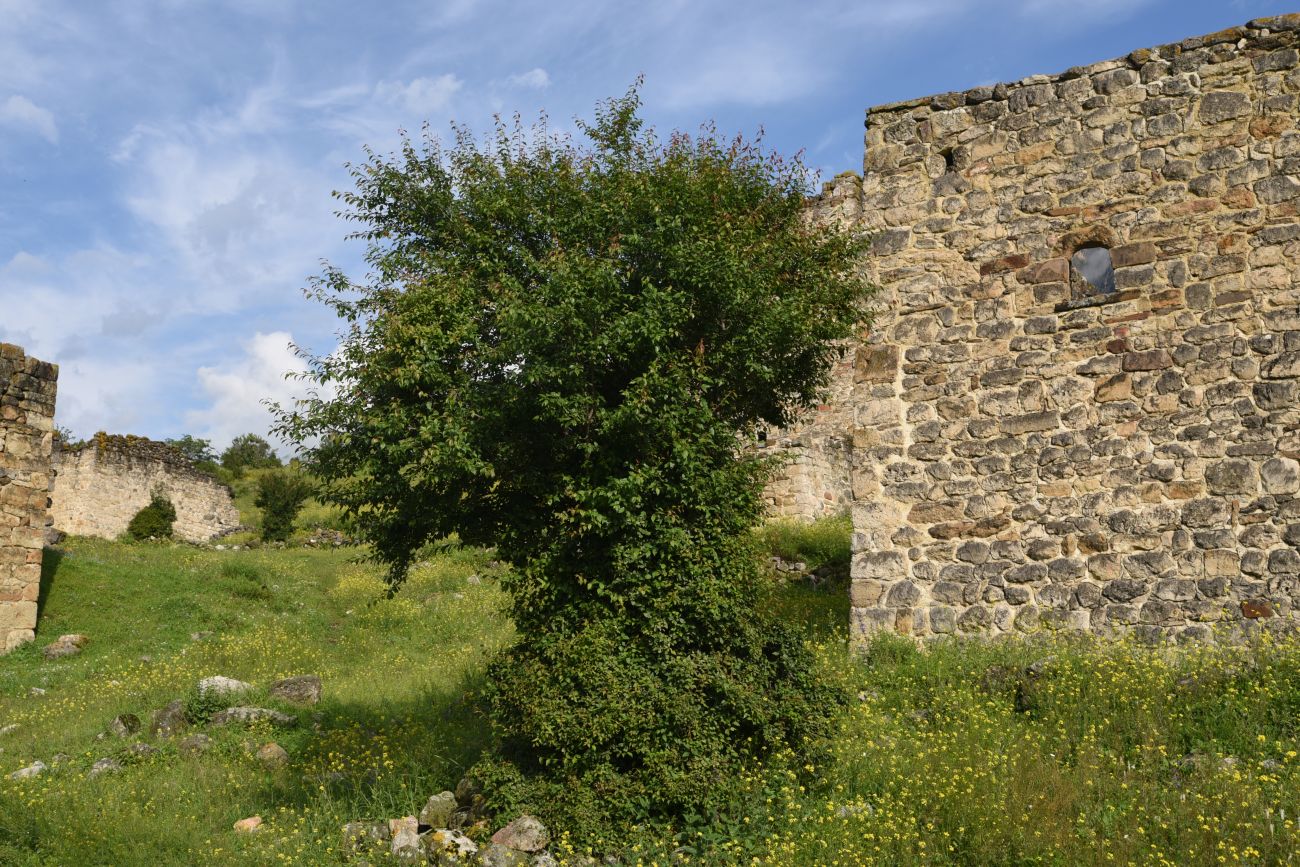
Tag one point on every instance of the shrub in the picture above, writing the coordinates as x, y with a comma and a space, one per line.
280, 496
154, 521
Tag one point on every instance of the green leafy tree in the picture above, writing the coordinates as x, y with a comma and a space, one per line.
280, 496
195, 450
559, 354
248, 452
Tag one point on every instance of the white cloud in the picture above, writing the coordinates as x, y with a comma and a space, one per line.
237, 390
20, 112
536, 79
420, 95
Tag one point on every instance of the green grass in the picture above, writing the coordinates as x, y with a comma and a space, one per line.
1113, 754
822, 545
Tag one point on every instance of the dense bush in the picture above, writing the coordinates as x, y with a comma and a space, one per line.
154, 521
558, 351
280, 496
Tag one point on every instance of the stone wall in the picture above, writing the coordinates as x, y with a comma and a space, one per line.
102, 484
27, 392
1027, 451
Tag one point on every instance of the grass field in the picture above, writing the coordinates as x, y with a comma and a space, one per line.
1043, 752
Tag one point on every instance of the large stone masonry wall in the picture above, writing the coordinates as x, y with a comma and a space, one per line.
102, 484
27, 393
1025, 453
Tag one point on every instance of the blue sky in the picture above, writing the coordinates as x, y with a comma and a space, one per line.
166, 165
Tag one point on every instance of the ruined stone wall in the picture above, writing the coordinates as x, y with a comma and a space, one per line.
1026, 452
102, 484
27, 392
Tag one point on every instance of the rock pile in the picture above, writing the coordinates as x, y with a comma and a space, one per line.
437, 836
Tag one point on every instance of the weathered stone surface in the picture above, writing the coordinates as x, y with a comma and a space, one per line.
439, 810
246, 715
524, 834
405, 844
35, 769
65, 645
1124, 446
1218, 106
304, 689
1280, 476
272, 756
124, 725
251, 825
27, 396
100, 486
170, 720
223, 687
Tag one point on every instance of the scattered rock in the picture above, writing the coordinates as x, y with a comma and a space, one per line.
525, 834
200, 636
223, 687
105, 766
194, 744
360, 837
141, 751
304, 689
446, 847
66, 645
546, 859
248, 826
496, 855
35, 769
272, 756
468, 791
170, 720
124, 725
9, 729
248, 715
440, 809
405, 845
35, 692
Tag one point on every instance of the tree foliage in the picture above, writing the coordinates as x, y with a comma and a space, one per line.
280, 496
559, 352
248, 452
197, 451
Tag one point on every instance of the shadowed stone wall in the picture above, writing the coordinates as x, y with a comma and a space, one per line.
103, 483
27, 393
1025, 451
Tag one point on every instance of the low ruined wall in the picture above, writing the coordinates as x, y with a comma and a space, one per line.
102, 484
1029, 452
27, 393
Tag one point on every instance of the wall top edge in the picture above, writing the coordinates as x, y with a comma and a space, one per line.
1260, 30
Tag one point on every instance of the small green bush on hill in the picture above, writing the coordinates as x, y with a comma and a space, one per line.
280, 496
154, 521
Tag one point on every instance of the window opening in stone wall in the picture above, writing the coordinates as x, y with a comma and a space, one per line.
948, 165
1092, 273
762, 439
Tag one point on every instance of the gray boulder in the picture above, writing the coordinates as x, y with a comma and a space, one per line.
440, 809
525, 834
304, 689
170, 720
246, 715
